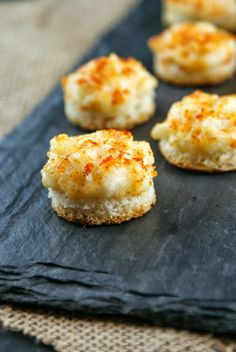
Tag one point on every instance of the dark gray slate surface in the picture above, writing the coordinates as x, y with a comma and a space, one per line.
175, 266
14, 342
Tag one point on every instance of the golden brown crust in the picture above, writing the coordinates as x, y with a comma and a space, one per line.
203, 120
183, 163
191, 35
194, 53
108, 81
85, 166
109, 92
219, 12
199, 133
75, 215
101, 71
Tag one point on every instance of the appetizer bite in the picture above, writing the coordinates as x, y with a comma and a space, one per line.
220, 12
109, 92
199, 133
194, 53
100, 178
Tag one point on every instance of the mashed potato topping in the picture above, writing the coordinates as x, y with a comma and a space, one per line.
222, 12
105, 85
200, 123
209, 7
104, 164
194, 46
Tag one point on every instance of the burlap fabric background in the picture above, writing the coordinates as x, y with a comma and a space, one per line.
39, 40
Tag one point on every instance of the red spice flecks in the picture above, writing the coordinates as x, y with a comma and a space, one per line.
233, 143
127, 71
107, 159
199, 116
82, 81
101, 63
127, 133
117, 97
88, 168
89, 143
95, 78
120, 155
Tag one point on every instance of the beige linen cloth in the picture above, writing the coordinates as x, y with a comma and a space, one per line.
39, 41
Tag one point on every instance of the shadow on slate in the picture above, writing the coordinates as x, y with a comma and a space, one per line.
174, 266
15, 342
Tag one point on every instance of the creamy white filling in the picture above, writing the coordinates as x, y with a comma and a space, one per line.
100, 207
173, 70
132, 111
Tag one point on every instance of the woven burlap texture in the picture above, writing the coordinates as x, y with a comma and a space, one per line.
68, 333
39, 41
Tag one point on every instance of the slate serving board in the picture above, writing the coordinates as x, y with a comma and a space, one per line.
15, 342
175, 266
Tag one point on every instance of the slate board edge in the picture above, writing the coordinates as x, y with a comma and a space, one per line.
190, 314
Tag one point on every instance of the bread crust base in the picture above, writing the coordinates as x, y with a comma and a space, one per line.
92, 121
195, 82
185, 161
100, 212
194, 79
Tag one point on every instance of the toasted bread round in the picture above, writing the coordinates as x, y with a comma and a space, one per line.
103, 211
100, 178
217, 163
220, 12
199, 133
194, 53
109, 92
